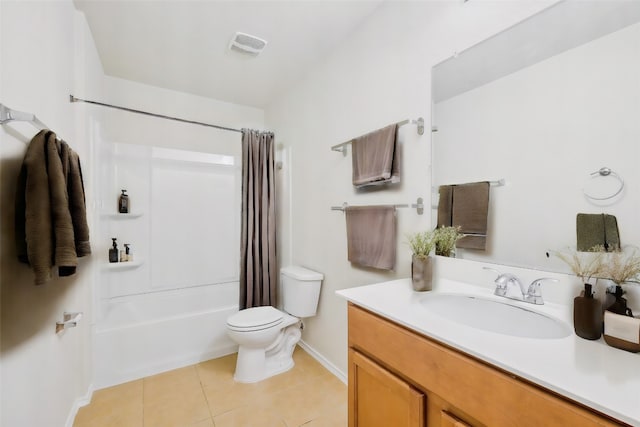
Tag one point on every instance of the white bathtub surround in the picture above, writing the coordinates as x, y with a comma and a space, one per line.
169, 309
142, 335
589, 372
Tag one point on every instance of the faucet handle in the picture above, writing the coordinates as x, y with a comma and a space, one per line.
534, 293
502, 281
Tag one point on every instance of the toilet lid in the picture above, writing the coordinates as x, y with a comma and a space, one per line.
257, 317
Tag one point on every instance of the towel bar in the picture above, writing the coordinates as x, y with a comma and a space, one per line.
418, 206
9, 115
605, 171
419, 121
496, 183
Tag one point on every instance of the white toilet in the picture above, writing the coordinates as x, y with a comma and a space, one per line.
267, 336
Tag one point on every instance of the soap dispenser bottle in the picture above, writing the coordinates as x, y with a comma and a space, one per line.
587, 315
123, 202
113, 252
126, 254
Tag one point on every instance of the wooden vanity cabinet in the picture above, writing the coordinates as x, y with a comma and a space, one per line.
400, 378
381, 399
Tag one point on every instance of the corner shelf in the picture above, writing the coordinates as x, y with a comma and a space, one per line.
118, 215
117, 266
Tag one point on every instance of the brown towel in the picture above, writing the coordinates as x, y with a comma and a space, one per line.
44, 223
77, 205
374, 157
466, 206
371, 236
445, 206
597, 230
65, 249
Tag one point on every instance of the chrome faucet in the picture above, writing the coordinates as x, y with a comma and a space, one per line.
506, 281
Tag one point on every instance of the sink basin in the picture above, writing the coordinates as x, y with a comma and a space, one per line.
495, 316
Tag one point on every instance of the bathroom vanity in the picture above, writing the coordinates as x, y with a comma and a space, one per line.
411, 367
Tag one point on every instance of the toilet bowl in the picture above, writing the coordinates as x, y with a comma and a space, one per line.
267, 336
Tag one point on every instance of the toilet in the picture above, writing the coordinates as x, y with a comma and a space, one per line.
267, 336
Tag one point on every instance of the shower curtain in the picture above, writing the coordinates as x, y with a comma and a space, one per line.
258, 262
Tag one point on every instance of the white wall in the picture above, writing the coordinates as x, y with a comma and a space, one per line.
545, 129
46, 54
380, 75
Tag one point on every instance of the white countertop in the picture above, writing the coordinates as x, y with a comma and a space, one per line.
590, 372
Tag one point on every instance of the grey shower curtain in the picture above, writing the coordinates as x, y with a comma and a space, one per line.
258, 262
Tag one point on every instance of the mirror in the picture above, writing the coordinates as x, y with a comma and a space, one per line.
543, 105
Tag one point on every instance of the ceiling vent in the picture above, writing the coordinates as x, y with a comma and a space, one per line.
246, 43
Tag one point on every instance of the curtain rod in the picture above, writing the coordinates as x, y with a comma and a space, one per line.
146, 113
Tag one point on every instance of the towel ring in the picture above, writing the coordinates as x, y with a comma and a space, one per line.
605, 171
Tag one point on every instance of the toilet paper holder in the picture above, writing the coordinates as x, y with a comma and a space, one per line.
69, 320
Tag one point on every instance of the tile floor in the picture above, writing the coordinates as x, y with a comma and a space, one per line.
205, 395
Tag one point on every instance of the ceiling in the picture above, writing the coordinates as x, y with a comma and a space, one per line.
182, 45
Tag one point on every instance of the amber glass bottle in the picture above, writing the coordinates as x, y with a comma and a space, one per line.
123, 202
587, 315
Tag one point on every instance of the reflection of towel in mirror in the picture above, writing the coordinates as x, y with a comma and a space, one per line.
466, 206
374, 157
371, 236
597, 230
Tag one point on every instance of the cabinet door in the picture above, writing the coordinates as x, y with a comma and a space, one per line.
448, 420
377, 398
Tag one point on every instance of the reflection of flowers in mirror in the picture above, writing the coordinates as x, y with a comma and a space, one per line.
585, 265
445, 240
622, 266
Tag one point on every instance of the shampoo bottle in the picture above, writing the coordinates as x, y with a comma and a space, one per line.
123, 202
128, 251
113, 252
587, 315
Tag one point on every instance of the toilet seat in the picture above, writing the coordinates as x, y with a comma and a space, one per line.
255, 319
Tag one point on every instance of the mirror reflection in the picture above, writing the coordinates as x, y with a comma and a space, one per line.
545, 106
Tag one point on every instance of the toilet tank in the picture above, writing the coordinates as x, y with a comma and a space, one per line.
300, 290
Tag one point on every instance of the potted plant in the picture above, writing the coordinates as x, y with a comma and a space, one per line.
421, 266
445, 240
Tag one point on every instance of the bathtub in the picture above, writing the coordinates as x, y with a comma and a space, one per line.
141, 335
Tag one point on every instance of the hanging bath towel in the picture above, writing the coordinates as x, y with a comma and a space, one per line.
375, 157
51, 225
371, 236
597, 230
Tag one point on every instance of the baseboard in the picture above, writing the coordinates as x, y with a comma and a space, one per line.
323, 361
77, 404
